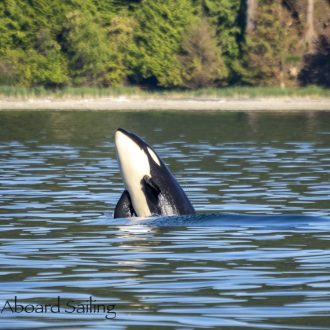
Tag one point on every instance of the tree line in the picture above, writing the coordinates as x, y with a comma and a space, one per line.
164, 44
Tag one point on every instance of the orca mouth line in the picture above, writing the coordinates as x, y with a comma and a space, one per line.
122, 130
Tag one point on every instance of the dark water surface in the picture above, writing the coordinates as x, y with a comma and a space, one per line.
257, 255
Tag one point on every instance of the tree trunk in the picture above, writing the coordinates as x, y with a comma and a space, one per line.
251, 9
283, 48
310, 30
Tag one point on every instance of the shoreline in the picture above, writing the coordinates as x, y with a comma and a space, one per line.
146, 103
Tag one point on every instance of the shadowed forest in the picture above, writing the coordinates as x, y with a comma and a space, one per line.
170, 44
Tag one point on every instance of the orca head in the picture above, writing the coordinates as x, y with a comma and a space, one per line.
136, 159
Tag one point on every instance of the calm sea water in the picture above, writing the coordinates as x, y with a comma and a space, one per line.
257, 255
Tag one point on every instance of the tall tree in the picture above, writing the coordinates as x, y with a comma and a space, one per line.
225, 16
202, 61
251, 10
158, 40
120, 42
87, 48
310, 30
268, 46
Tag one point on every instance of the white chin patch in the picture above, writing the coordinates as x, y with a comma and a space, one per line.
134, 165
153, 156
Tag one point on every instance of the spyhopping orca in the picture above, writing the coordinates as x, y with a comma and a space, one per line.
151, 189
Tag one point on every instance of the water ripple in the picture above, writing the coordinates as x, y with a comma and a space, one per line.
256, 255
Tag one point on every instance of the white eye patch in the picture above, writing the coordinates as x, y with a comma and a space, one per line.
153, 156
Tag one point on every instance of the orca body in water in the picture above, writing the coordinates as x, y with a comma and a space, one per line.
151, 189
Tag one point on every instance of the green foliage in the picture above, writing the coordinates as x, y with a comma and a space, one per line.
225, 16
29, 52
201, 60
158, 40
13, 70
109, 8
98, 55
31, 68
87, 49
272, 54
165, 44
263, 48
120, 39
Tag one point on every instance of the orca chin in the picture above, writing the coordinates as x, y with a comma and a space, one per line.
150, 187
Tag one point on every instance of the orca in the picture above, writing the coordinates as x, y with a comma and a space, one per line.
150, 187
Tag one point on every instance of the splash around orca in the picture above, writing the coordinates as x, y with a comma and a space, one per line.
150, 187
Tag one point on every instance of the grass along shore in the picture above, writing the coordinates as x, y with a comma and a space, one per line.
227, 92
136, 99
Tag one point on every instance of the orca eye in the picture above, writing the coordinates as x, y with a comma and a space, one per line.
153, 156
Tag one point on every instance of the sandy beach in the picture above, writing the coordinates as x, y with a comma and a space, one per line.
123, 103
